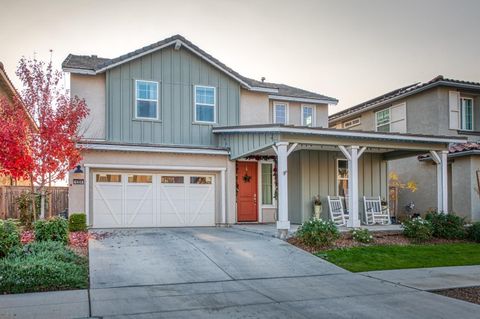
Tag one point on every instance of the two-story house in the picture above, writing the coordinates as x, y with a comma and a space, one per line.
177, 138
441, 107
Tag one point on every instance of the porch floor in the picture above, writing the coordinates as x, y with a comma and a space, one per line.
271, 230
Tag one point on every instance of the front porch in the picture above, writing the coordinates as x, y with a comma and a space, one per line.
307, 164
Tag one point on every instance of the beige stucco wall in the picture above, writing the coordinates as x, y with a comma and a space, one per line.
77, 192
92, 89
253, 108
466, 199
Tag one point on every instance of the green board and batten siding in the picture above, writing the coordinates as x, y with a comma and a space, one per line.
177, 72
313, 173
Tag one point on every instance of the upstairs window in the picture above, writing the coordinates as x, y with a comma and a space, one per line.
307, 115
205, 104
382, 120
280, 113
146, 100
467, 113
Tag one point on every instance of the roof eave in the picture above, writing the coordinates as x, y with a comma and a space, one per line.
303, 99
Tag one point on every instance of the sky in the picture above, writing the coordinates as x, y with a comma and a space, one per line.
351, 50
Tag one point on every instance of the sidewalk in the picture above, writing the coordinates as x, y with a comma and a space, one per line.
48, 305
429, 279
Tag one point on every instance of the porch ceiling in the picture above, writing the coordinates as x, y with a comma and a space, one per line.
258, 139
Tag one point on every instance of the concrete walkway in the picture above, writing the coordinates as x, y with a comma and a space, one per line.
45, 305
430, 279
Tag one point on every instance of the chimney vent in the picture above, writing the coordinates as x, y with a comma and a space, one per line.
263, 79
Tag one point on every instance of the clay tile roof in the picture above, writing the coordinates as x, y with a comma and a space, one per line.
470, 146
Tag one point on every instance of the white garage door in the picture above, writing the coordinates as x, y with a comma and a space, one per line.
149, 200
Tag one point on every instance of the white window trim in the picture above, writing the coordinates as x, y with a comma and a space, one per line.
136, 99
351, 122
389, 119
337, 176
314, 115
260, 197
195, 104
275, 112
462, 122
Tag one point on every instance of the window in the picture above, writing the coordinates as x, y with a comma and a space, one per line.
342, 177
280, 113
308, 117
267, 184
146, 99
205, 104
383, 120
146, 179
352, 123
109, 178
200, 180
172, 179
467, 113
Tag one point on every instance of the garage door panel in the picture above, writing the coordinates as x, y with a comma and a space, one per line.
148, 200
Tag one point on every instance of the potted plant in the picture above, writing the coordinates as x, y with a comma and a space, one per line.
317, 206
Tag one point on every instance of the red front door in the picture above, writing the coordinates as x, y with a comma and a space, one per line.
247, 192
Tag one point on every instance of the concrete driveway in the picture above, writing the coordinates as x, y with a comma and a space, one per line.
230, 273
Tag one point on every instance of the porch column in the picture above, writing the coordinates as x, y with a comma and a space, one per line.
441, 160
282, 150
353, 154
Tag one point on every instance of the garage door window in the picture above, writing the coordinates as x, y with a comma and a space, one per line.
145, 179
109, 178
200, 180
172, 180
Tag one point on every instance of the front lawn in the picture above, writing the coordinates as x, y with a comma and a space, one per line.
387, 257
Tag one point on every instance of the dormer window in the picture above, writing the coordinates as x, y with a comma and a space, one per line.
205, 104
146, 100
280, 113
382, 120
467, 113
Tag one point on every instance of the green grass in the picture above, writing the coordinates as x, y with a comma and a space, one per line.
369, 258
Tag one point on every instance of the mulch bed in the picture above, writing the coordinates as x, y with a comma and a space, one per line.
471, 294
346, 241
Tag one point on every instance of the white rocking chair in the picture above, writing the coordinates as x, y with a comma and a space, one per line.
337, 213
374, 214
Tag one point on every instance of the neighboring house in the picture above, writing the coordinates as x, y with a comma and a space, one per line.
440, 107
177, 138
7, 90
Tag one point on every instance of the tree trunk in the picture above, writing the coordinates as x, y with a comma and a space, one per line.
34, 207
42, 204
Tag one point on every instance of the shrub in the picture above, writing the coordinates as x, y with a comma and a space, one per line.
77, 222
318, 232
449, 226
55, 229
417, 229
9, 236
24, 203
474, 232
42, 266
362, 235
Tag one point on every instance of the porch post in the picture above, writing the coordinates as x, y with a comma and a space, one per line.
441, 160
444, 160
283, 224
353, 220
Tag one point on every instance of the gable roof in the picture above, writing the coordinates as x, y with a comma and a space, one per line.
7, 83
401, 93
82, 64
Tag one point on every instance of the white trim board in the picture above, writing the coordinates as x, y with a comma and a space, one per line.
156, 167
302, 99
152, 149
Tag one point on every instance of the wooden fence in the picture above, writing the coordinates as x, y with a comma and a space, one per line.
56, 201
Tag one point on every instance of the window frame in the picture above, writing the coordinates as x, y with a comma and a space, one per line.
195, 104
462, 119
149, 100
275, 112
260, 184
389, 120
308, 106
337, 175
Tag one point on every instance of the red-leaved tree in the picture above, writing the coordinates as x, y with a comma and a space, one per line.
16, 158
58, 117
